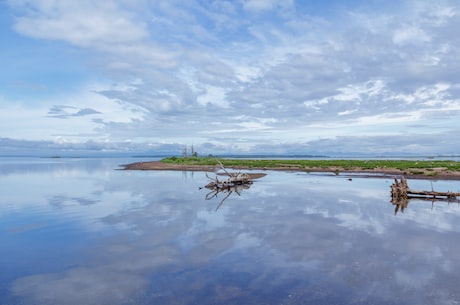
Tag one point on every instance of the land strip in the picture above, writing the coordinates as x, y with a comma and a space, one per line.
435, 169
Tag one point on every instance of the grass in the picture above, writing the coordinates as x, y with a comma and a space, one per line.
403, 165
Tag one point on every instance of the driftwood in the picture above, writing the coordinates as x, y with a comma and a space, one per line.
401, 194
233, 179
235, 182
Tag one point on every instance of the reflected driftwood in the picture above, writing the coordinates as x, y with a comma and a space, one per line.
401, 194
227, 191
235, 182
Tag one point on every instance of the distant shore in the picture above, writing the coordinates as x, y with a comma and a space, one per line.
436, 173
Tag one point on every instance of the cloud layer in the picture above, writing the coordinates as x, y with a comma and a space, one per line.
242, 76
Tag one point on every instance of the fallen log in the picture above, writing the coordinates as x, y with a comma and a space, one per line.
432, 194
401, 194
400, 189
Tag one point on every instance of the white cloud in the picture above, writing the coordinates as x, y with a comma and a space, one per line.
213, 95
184, 63
77, 117
410, 34
83, 23
260, 4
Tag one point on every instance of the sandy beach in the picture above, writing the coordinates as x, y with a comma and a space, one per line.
433, 174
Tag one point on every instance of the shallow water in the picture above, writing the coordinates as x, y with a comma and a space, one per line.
77, 231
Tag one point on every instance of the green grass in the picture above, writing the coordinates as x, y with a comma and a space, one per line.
305, 164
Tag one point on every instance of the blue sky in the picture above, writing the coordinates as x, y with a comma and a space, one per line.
247, 76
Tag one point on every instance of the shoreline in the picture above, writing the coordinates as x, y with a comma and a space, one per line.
438, 174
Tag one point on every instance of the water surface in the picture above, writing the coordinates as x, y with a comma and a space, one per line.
78, 231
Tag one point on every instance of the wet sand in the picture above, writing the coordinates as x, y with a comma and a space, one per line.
433, 174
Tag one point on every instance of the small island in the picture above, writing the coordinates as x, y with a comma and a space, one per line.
415, 169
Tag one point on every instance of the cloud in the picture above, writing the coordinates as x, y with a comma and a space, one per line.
107, 23
411, 144
410, 35
182, 73
63, 112
263, 5
60, 146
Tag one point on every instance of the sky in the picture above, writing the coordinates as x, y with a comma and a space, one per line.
330, 77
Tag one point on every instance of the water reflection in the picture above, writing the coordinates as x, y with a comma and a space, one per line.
402, 203
151, 238
226, 192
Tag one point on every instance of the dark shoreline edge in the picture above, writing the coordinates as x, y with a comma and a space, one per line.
350, 173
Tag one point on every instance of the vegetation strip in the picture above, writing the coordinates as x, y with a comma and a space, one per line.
436, 169
403, 165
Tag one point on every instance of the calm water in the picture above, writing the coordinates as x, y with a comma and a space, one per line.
77, 231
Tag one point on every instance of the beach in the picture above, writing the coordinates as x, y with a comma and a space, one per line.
431, 174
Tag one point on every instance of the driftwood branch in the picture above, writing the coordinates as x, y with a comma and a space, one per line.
401, 194
235, 178
223, 168
235, 182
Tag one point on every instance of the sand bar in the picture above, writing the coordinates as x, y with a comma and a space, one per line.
431, 174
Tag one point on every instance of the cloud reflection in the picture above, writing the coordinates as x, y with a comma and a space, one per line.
286, 241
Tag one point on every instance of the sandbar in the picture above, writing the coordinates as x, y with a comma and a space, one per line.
432, 174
